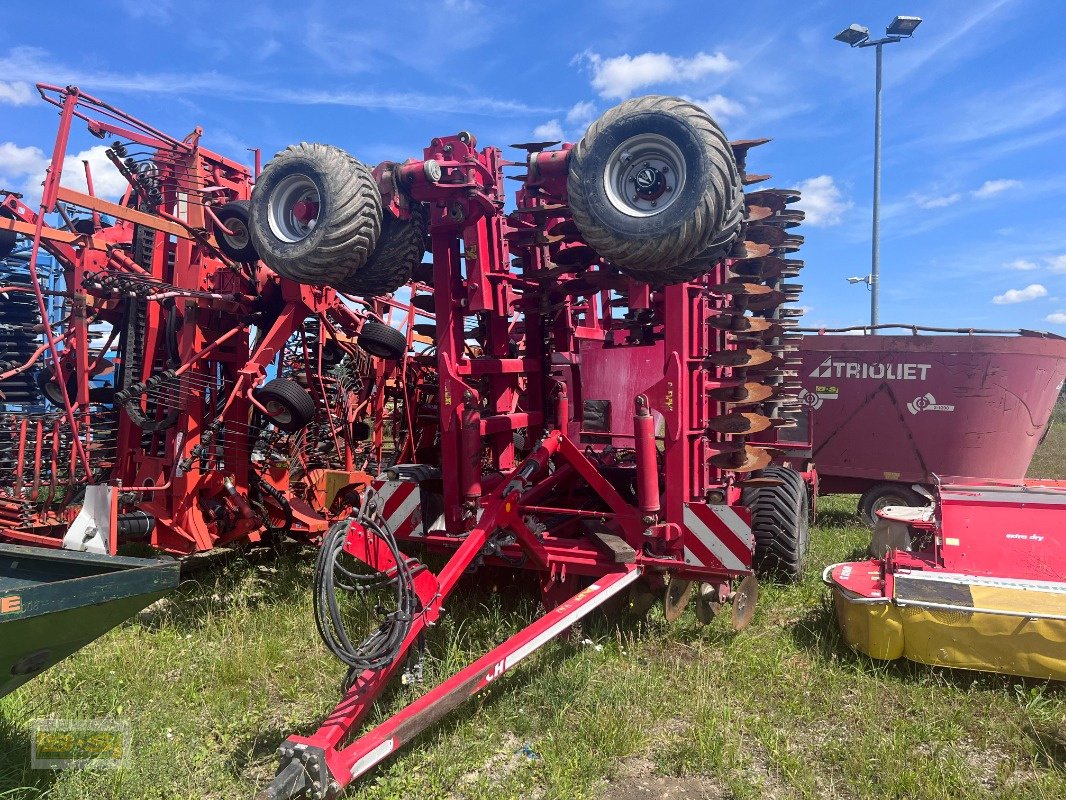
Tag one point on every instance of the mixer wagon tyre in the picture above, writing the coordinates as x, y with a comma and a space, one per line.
288, 404
653, 184
780, 521
887, 494
383, 341
399, 251
237, 244
315, 214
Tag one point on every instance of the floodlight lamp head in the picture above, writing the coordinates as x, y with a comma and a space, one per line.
853, 35
903, 26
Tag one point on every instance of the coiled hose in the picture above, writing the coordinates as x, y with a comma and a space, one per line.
336, 570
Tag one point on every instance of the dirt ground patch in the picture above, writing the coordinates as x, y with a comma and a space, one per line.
638, 780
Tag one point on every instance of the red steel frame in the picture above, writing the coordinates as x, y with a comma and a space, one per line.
528, 317
192, 477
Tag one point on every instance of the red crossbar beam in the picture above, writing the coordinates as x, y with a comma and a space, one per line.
376, 745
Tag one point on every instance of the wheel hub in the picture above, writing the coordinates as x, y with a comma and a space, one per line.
644, 175
294, 208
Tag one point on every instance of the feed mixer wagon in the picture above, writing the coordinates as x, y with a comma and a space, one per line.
600, 391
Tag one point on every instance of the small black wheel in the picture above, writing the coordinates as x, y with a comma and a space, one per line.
887, 494
315, 214
237, 244
361, 431
399, 251
7, 238
653, 184
50, 388
288, 404
780, 521
382, 341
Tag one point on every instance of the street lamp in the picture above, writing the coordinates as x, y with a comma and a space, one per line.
857, 36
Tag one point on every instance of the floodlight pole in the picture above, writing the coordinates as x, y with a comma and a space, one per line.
875, 258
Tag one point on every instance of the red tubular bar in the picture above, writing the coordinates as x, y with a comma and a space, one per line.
377, 744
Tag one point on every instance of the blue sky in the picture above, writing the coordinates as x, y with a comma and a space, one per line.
974, 228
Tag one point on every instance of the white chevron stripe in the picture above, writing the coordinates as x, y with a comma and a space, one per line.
710, 541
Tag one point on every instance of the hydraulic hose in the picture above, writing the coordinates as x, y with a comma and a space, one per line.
384, 644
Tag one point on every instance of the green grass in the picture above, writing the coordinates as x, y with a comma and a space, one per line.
1050, 458
213, 679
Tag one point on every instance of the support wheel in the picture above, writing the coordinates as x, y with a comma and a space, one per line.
399, 251
315, 214
382, 341
780, 521
288, 404
887, 494
653, 184
237, 244
7, 238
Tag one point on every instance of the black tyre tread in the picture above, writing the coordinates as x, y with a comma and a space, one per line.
236, 209
399, 251
382, 340
779, 521
292, 395
715, 223
344, 242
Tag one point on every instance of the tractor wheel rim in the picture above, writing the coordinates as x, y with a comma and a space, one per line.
645, 175
278, 412
238, 237
294, 208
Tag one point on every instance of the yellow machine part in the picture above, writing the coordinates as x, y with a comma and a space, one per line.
1016, 641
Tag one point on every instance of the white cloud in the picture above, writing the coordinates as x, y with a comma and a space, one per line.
581, 114
620, 76
992, 188
37, 64
1020, 264
925, 201
1058, 317
1057, 263
719, 106
549, 130
16, 93
25, 167
1011, 296
822, 202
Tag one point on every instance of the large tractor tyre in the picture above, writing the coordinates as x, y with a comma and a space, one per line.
237, 244
315, 214
780, 521
288, 405
653, 184
382, 341
399, 251
882, 495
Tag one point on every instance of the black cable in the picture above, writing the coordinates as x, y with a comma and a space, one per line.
383, 645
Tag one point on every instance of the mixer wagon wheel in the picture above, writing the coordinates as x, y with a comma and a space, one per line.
399, 251
887, 494
780, 523
237, 244
382, 341
288, 404
315, 214
653, 184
